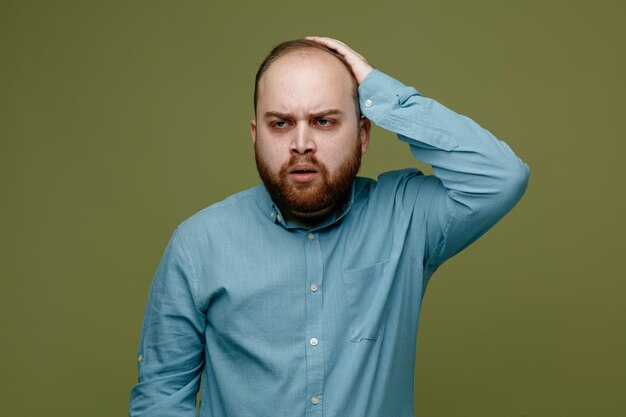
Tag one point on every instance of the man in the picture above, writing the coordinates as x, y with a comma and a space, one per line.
301, 296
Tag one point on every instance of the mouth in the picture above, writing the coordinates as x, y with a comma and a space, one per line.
302, 173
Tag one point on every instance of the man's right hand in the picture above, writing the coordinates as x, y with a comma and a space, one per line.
359, 65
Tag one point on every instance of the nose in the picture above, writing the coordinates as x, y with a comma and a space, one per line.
303, 142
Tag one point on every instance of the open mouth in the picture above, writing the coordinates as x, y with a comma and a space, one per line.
303, 173
302, 169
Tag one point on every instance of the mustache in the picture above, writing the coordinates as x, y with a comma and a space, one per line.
304, 159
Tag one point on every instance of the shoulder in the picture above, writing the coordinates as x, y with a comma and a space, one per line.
391, 182
232, 209
402, 188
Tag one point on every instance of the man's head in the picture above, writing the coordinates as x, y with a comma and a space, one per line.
308, 134
302, 45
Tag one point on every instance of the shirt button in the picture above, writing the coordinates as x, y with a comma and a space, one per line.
310, 236
273, 215
315, 400
368, 103
140, 358
314, 342
280, 219
313, 287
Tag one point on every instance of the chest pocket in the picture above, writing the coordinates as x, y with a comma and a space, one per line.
367, 292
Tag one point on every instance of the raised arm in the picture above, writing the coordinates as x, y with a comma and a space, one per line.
478, 178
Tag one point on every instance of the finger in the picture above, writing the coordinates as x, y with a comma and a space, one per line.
335, 44
359, 65
330, 41
339, 46
342, 49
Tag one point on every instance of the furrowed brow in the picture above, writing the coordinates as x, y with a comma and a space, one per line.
278, 115
328, 112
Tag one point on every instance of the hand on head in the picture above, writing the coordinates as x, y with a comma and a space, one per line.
360, 67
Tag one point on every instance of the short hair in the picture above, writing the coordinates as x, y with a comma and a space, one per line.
299, 45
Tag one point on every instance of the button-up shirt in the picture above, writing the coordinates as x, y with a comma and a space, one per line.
282, 321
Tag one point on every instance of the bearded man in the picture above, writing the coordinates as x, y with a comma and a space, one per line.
301, 296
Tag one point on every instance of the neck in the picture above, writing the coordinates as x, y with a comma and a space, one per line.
308, 220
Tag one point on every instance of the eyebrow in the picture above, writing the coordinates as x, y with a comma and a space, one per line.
322, 113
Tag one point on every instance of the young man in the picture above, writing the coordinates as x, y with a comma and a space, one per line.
301, 296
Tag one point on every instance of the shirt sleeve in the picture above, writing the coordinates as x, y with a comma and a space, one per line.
171, 347
478, 178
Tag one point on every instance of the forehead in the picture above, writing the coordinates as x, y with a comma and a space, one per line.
306, 82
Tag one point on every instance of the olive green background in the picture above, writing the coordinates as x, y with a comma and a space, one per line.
120, 119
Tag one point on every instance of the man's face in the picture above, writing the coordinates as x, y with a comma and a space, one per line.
308, 141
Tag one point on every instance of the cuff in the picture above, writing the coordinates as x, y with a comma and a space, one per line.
379, 92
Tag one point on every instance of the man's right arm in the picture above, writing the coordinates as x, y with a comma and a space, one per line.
171, 348
478, 178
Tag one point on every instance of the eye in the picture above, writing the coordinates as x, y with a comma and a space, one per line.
324, 122
279, 124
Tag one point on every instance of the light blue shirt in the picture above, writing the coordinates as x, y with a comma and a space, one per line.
281, 321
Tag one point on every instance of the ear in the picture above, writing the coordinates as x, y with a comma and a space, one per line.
365, 127
253, 130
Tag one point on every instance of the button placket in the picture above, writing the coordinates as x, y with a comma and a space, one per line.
314, 325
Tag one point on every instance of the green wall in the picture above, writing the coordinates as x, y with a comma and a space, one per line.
119, 119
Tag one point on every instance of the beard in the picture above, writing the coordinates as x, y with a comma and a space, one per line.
327, 190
